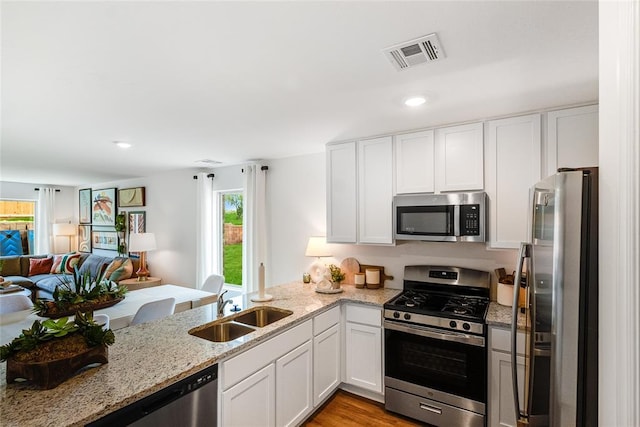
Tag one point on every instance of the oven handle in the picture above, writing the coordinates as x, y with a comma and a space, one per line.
432, 333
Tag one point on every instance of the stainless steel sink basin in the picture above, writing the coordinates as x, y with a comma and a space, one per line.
221, 331
262, 316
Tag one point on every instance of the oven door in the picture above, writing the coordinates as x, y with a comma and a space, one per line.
444, 361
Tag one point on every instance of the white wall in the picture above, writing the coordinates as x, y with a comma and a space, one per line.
296, 200
66, 206
170, 215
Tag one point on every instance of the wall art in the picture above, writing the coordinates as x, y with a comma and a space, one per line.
131, 197
107, 240
84, 199
104, 206
84, 238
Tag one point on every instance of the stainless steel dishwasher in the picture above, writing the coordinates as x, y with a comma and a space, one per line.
192, 402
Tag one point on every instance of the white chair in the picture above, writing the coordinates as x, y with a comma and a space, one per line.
213, 284
102, 319
13, 303
154, 310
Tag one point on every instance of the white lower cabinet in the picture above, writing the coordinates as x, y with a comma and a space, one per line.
294, 375
252, 401
363, 348
326, 363
501, 406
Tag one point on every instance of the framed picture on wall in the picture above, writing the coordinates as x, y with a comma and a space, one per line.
137, 224
104, 206
84, 198
84, 238
131, 197
107, 240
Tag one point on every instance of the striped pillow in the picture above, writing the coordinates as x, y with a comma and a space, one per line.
64, 264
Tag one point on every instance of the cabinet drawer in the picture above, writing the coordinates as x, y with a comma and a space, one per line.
245, 364
325, 320
500, 340
365, 315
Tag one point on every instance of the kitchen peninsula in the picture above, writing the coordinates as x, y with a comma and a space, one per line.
148, 357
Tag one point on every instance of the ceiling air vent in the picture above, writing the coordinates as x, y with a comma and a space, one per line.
415, 52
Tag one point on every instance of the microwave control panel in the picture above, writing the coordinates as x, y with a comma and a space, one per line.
470, 220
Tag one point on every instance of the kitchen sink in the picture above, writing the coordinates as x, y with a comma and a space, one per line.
221, 331
262, 316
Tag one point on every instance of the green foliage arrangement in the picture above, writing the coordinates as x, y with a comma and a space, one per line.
337, 275
38, 342
82, 294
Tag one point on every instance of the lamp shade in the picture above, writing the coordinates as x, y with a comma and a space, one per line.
142, 242
64, 229
317, 247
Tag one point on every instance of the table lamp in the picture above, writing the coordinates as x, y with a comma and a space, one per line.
142, 242
65, 229
317, 247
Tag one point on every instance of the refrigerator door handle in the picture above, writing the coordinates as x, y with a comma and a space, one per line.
525, 252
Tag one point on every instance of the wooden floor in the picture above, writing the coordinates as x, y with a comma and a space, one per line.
346, 409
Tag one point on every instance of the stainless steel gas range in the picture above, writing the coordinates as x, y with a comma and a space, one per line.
435, 346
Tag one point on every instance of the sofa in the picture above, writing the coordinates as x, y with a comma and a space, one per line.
32, 271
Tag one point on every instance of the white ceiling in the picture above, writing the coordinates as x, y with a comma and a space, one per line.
233, 81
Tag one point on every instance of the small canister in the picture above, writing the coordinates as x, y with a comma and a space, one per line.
358, 279
372, 277
306, 278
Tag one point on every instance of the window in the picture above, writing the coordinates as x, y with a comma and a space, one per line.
17, 227
232, 232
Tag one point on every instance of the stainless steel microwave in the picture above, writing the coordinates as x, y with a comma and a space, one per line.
450, 217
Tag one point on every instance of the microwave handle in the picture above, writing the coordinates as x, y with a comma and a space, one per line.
456, 220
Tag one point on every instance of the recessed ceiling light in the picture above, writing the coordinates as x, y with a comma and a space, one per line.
122, 144
415, 101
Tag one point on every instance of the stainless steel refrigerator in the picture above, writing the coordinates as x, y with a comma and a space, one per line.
561, 266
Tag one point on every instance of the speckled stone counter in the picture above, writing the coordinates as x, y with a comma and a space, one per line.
501, 315
148, 357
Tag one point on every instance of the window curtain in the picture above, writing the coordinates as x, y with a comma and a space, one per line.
208, 230
254, 219
45, 217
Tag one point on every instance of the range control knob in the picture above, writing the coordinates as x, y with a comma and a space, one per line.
407, 316
396, 314
466, 326
453, 324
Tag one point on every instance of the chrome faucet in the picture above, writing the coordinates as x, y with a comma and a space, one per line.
222, 303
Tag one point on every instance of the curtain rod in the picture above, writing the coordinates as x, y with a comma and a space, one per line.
37, 189
262, 168
211, 175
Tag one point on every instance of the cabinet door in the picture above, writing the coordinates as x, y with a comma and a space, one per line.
501, 410
363, 355
375, 190
252, 401
572, 138
341, 193
459, 158
414, 162
513, 153
326, 363
294, 376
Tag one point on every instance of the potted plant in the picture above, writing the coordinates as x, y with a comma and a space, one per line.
337, 275
52, 351
81, 295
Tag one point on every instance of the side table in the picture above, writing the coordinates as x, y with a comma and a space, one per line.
134, 284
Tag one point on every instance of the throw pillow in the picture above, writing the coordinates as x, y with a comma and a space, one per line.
40, 265
119, 269
64, 264
10, 266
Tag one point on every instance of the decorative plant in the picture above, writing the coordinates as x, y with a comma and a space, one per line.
81, 294
337, 275
80, 334
121, 228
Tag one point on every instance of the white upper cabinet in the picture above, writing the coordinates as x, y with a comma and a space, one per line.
459, 158
572, 138
415, 162
341, 193
513, 153
375, 190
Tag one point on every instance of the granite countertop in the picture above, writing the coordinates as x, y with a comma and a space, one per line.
148, 357
501, 315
